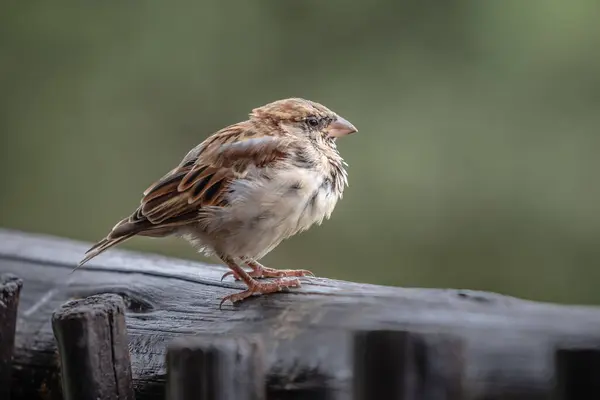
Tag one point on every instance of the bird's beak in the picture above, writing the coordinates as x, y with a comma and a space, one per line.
340, 127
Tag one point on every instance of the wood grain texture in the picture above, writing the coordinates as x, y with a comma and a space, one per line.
94, 349
509, 344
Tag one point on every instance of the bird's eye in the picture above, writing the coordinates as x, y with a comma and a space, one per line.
312, 121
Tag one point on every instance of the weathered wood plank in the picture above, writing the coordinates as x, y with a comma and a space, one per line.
508, 343
92, 341
10, 289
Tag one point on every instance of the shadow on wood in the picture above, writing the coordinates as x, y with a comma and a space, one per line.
508, 344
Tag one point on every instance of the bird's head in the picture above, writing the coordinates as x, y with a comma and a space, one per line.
304, 118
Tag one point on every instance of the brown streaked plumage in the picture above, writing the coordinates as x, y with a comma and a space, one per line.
246, 188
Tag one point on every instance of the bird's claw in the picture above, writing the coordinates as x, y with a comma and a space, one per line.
275, 286
226, 274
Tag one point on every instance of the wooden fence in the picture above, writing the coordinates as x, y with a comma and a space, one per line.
133, 326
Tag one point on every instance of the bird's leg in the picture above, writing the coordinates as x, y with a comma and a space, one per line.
254, 287
260, 271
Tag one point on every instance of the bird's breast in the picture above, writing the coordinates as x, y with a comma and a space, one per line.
285, 201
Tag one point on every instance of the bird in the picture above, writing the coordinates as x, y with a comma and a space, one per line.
246, 188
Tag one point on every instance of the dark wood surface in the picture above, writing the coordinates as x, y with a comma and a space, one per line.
509, 344
577, 374
91, 336
216, 368
10, 288
405, 365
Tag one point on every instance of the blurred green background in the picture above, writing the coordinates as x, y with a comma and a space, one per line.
475, 165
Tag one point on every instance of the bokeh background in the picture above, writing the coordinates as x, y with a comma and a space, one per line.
476, 162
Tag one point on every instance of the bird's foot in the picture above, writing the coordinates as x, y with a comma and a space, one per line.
265, 272
274, 286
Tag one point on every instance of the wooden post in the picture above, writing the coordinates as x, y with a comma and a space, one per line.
216, 368
577, 374
93, 346
400, 365
10, 289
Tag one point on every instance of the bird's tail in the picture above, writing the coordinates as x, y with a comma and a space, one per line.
122, 231
100, 247
136, 224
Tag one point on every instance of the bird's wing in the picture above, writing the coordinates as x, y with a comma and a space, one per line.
201, 180
204, 177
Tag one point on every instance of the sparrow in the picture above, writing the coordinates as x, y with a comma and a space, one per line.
246, 188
